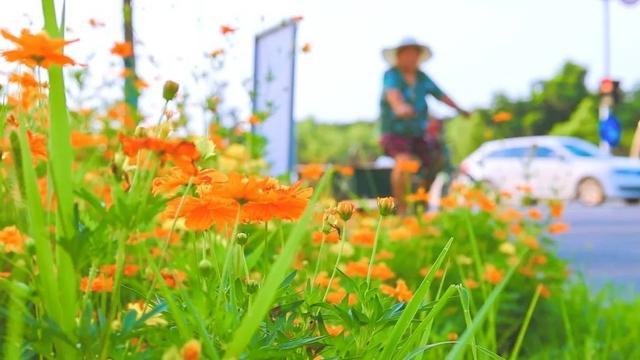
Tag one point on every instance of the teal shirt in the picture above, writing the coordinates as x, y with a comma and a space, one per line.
415, 96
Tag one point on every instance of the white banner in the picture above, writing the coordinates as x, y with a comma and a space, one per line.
273, 86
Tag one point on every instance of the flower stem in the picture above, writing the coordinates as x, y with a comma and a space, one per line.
335, 267
373, 252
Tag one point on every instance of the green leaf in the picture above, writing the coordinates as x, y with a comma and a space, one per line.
458, 350
413, 306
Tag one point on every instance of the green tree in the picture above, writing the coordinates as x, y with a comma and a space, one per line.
557, 98
583, 123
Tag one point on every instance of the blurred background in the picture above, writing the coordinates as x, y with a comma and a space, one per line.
524, 68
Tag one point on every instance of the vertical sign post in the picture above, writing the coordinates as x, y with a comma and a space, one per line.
273, 94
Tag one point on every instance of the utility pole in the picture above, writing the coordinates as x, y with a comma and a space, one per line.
130, 91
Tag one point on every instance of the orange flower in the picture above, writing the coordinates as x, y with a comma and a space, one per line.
401, 292
306, 48
492, 274
544, 291
449, 202
360, 268
510, 215
11, 239
471, 284
182, 153
535, 214
334, 330
344, 170
363, 237
255, 199
539, 260
226, 29
322, 280
556, 208
331, 238
80, 140
400, 233
502, 116
515, 229
311, 172
408, 165
438, 275
336, 297
38, 146
384, 255
485, 204
123, 49
558, 228
36, 49
100, 283
524, 188
420, 195
255, 119
531, 242
173, 278
123, 113
201, 214
277, 201
174, 177
191, 350
25, 80
140, 84
129, 270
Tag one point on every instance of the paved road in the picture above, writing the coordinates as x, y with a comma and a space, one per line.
604, 244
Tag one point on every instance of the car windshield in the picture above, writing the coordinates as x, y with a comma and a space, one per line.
583, 150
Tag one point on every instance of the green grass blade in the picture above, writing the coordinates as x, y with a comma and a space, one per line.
61, 157
267, 292
486, 352
464, 300
16, 299
413, 306
458, 350
47, 283
421, 333
525, 323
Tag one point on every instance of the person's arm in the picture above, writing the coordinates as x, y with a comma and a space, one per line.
447, 100
399, 107
444, 98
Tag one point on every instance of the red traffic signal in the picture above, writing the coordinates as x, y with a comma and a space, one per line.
611, 88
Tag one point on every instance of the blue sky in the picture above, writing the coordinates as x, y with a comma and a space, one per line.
480, 46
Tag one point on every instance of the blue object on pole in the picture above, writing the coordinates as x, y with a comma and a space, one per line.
610, 130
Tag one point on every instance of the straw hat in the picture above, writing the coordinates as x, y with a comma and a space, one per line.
389, 54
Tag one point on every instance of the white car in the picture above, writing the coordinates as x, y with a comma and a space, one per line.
555, 167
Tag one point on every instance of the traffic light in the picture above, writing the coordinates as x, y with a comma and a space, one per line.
610, 93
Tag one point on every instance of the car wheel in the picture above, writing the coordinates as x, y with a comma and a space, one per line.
590, 192
633, 201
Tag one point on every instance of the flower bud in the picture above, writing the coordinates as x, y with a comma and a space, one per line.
329, 221
30, 246
252, 286
205, 266
191, 350
345, 210
241, 238
170, 90
140, 132
386, 205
